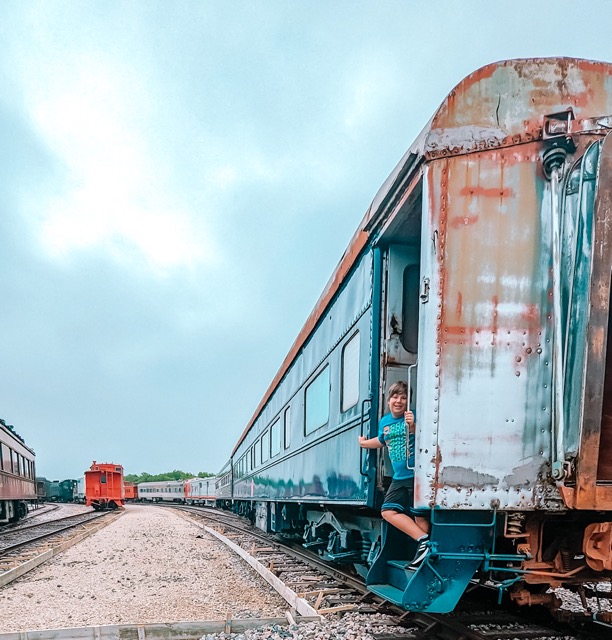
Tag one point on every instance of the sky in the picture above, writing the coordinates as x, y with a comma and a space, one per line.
178, 181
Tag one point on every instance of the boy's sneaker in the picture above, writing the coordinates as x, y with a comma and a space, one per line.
420, 554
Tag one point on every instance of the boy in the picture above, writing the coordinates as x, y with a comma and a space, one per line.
400, 495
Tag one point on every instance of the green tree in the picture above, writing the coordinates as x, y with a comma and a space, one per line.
163, 477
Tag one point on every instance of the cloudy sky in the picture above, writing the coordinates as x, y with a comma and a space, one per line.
178, 181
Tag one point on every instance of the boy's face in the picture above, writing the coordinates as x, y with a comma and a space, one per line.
398, 403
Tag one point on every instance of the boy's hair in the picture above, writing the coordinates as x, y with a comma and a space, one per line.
397, 388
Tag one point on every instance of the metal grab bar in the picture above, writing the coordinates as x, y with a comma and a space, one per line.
367, 400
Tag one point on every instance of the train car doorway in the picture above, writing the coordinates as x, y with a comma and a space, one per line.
400, 240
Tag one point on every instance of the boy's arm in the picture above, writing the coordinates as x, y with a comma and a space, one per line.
370, 443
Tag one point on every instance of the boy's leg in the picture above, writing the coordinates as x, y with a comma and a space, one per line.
397, 502
422, 523
404, 523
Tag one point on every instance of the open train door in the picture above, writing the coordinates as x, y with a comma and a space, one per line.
585, 444
401, 328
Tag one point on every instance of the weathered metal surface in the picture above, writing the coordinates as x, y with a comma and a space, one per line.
485, 370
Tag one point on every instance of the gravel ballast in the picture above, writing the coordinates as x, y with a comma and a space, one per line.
151, 565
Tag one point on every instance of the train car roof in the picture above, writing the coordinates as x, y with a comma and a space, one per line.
500, 104
11, 433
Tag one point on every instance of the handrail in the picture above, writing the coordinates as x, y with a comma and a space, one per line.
361, 425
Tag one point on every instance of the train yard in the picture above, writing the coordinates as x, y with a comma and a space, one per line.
155, 566
328, 591
416, 520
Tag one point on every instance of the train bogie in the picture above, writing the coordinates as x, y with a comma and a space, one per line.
104, 487
480, 276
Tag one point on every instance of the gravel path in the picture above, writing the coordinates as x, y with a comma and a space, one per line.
151, 565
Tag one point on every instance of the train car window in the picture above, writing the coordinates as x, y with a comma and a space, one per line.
6, 458
265, 446
275, 438
350, 373
287, 426
15, 459
410, 309
317, 402
257, 448
1, 459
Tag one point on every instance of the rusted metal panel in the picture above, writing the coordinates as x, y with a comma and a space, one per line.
485, 395
492, 356
502, 104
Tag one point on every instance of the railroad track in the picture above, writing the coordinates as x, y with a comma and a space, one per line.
328, 590
24, 548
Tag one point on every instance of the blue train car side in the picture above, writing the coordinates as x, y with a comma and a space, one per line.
480, 275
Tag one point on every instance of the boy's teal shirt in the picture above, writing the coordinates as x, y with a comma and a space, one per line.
392, 433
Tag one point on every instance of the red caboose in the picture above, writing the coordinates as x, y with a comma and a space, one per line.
130, 491
104, 486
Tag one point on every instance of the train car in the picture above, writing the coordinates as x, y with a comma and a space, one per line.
480, 275
224, 484
43, 488
104, 486
201, 491
54, 491
17, 475
162, 491
130, 491
67, 490
80, 491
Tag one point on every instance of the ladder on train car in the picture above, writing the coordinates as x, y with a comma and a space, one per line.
460, 541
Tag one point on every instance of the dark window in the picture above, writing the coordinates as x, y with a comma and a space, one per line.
410, 309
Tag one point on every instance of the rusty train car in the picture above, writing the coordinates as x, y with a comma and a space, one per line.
480, 275
17, 475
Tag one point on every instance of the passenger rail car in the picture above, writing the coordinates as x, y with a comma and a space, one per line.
17, 475
480, 275
162, 491
223, 490
200, 491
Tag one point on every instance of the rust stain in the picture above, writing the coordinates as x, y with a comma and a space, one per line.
493, 192
459, 303
531, 315
462, 221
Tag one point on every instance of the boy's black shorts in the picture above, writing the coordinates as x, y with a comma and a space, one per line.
400, 496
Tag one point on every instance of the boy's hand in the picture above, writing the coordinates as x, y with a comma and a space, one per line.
409, 418
362, 439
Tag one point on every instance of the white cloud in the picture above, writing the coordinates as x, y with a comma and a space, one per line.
115, 194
